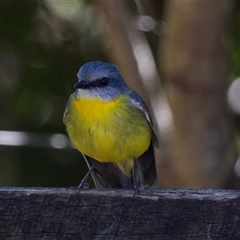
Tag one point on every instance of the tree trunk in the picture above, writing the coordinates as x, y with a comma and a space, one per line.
195, 73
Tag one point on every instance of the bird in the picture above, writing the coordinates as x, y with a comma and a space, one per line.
110, 125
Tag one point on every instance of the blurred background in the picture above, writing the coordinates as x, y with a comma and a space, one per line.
183, 58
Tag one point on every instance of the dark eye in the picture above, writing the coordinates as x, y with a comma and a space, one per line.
104, 81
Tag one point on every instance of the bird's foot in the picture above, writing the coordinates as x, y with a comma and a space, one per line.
82, 186
138, 187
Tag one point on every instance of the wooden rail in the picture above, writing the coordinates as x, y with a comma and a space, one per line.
59, 213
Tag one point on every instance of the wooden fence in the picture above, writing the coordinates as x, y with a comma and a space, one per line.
59, 213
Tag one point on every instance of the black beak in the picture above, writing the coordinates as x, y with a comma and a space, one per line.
81, 84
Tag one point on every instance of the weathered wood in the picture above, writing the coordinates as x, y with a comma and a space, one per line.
45, 213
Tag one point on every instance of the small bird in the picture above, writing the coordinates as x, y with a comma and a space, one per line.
111, 126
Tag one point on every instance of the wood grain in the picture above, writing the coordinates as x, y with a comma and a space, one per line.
58, 213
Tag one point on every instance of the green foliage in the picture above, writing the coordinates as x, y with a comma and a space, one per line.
234, 49
42, 46
234, 44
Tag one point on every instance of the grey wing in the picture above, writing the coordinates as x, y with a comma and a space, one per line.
146, 163
66, 110
108, 175
147, 168
138, 102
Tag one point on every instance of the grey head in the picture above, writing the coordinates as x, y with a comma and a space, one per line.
100, 79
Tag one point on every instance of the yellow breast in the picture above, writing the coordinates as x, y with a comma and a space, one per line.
108, 131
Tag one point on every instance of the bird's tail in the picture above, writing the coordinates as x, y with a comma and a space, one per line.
108, 175
125, 175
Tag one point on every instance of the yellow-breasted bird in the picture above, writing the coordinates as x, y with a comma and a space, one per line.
111, 126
